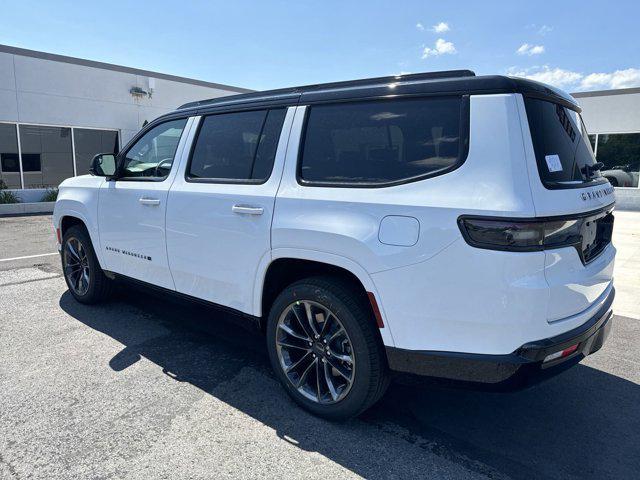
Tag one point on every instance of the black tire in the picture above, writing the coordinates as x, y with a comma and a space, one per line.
370, 373
613, 181
99, 286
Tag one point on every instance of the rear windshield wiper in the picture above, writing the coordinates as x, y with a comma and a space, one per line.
589, 170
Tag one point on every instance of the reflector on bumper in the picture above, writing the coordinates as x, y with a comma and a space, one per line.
561, 354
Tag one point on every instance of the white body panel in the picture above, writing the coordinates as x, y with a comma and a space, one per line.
78, 197
131, 219
403, 243
218, 233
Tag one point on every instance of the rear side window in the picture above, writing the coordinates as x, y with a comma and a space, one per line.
561, 144
382, 142
239, 146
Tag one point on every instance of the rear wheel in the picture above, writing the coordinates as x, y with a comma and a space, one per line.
324, 348
85, 279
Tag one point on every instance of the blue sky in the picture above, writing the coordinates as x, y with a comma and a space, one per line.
577, 45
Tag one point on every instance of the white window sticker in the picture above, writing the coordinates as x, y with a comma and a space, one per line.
553, 163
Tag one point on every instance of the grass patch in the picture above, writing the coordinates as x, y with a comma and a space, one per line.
50, 196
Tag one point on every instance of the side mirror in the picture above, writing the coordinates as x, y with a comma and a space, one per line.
103, 165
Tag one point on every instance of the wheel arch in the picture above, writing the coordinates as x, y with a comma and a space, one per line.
289, 265
70, 219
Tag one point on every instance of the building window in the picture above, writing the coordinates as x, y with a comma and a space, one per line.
620, 153
88, 143
38, 156
9, 160
47, 157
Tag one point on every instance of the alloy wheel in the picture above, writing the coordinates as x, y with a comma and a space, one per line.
315, 352
76, 266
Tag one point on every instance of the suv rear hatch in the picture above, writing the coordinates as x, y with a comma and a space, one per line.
567, 187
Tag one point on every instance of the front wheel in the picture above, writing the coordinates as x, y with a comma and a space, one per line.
324, 348
85, 279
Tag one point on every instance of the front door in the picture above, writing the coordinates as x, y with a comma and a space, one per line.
131, 209
220, 210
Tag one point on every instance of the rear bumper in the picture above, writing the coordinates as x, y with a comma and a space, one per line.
517, 370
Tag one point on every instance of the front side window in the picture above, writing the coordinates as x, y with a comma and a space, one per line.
152, 155
561, 144
381, 142
239, 146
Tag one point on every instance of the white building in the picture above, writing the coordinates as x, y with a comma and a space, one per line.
612, 118
57, 112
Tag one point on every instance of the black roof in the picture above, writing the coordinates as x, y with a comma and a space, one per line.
453, 82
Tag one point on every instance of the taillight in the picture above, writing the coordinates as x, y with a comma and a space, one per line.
520, 234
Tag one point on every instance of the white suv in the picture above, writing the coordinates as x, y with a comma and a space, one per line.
444, 225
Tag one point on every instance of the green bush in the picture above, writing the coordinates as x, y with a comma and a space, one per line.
50, 196
8, 197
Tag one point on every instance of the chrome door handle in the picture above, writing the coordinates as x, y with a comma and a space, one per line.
149, 201
247, 210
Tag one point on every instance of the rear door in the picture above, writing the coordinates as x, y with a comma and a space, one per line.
565, 184
221, 205
131, 209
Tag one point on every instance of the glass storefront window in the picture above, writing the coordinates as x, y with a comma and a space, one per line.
88, 143
47, 153
9, 160
47, 158
620, 153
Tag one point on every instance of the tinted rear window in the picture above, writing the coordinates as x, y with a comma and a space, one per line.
561, 144
382, 141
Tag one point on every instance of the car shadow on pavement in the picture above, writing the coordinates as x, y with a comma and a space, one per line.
583, 424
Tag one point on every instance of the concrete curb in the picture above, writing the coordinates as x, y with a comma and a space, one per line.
12, 209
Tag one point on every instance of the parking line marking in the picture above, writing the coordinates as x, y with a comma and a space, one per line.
27, 256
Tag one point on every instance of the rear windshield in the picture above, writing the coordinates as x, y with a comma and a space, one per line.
561, 144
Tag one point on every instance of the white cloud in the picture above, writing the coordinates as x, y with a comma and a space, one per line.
618, 79
442, 47
419, 26
553, 76
526, 49
441, 27
576, 81
544, 29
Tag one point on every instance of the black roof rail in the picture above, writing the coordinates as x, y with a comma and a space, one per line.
332, 85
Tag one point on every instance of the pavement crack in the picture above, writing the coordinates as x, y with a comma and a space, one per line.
23, 282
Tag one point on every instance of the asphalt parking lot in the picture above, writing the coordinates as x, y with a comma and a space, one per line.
146, 387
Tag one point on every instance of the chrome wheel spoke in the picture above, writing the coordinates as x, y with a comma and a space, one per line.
73, 251
306, 372
325, 325
329, 381
292, 345
342, 357
335, 335
318, 391
302, 322
293, 333
309, 317
76, 266
303, 359
344, 372
315, 352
